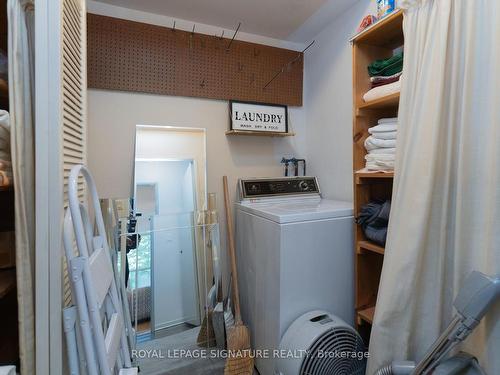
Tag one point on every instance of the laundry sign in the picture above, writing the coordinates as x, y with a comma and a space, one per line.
258, 117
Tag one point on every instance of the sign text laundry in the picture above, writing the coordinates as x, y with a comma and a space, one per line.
258, 117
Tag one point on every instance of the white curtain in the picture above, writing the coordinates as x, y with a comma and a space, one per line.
445, 218
22, 104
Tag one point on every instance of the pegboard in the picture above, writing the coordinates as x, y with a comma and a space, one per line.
132, 56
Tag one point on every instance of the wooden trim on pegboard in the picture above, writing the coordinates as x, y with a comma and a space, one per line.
131, 56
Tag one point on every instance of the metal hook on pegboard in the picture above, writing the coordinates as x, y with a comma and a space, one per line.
191, 37
288, 64
234, 36
173, 27
218, 39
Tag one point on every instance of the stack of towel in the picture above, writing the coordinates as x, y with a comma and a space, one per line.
5, 161
381, 145
384, 77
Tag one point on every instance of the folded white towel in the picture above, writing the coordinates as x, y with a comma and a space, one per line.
373, 143
380, 161
388, 120
381, 91
380, 157
380, 166
383, 128
385, 135
391, 150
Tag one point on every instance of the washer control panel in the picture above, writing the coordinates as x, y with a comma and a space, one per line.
275, 187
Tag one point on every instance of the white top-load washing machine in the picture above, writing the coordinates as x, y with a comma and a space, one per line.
295, 254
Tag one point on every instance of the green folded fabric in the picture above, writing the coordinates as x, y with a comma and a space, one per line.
386, 67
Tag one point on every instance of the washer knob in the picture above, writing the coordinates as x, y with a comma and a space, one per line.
303, 185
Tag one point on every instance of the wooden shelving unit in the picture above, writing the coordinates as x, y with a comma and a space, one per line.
260, 134
369, 246
366, 315
388, 101
377, 42
367, 177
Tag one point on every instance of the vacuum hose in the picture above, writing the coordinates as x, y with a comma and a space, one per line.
397, 368
386, 370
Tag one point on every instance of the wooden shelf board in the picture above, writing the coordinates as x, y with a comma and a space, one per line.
389, 101
370, 246
261, 134
386, 32
362, 177
7, 281
367, 314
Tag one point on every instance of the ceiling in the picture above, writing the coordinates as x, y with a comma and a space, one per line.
272, 18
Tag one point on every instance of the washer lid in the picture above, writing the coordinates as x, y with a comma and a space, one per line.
297, 211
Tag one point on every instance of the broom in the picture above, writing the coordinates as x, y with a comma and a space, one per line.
207, 335
239, 360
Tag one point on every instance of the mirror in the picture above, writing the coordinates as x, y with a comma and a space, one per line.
166, 246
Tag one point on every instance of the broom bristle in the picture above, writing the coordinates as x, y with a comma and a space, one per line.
239, 366
238, 338
206, 336
240, 360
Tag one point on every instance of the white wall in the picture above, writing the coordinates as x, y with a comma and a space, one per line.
328, 103
112, 120
113, 116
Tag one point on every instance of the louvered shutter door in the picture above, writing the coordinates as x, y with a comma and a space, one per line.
73, 102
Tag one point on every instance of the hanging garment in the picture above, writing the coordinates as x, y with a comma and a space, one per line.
386, 67
445, 215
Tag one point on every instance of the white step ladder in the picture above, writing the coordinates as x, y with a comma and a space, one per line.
100, 315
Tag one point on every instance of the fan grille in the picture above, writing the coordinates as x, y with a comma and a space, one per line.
325, 355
